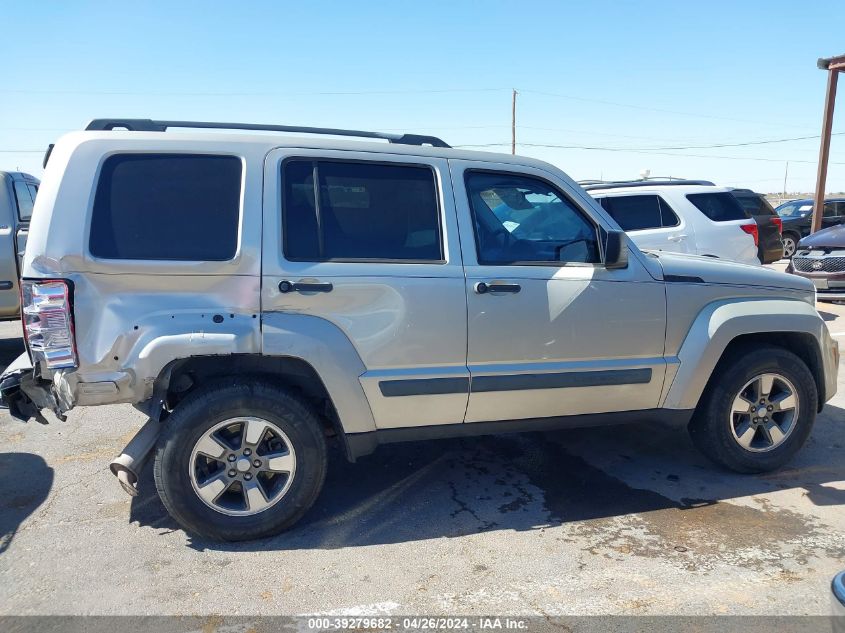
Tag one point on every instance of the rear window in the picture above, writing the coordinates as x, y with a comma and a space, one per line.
719, 207
360, 211
167, 207
638, 213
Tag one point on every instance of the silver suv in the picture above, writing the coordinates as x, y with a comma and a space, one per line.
255, 295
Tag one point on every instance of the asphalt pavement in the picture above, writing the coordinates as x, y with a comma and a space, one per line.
616, 520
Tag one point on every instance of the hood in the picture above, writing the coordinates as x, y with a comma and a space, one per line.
712, 270
832, 237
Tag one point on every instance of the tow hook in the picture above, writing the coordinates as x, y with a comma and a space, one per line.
127, 466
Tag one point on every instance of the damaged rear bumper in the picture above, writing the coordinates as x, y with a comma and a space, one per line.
25, 394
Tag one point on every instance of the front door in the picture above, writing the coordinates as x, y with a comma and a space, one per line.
367, 243
551, 331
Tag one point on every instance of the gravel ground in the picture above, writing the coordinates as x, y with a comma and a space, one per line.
616, 520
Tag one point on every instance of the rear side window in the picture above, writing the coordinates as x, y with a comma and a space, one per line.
360, 211
719, 207
167, 207
25, 196
638, 213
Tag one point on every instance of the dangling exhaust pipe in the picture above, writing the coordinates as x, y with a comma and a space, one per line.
127, 466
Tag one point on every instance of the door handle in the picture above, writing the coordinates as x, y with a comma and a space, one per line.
677, 238
483, 288
286, 286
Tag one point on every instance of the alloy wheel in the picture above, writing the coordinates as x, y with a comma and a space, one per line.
764, 413
242, 466
788, 247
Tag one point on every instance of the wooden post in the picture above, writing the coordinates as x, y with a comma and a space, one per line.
824, 150
513, 123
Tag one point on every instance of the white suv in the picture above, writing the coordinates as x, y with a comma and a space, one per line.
682, 216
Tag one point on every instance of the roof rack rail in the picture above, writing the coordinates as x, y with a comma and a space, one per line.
150, 125
644, 183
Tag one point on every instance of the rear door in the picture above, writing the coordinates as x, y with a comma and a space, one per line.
368, 242
651, 222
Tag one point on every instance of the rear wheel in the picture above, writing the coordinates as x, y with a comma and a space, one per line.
757, 411
240, 460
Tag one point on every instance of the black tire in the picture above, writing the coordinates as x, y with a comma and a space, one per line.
219, 401
710, 427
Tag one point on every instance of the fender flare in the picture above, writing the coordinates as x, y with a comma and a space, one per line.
721, 322
325, 347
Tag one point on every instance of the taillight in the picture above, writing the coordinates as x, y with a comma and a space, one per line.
48, 322
778, 222
751, 229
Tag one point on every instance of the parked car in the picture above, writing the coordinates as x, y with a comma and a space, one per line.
769, 224
256, 294
797, 217
820, 257
17, 195
682, 216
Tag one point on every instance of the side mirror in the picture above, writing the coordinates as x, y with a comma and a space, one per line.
615, 250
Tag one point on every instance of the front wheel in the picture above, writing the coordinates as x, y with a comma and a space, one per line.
239, 460
790, 244
757, 411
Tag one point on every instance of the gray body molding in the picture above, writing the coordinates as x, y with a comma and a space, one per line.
718, 323
327, 349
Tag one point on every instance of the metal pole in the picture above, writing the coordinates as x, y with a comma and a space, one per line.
785, 174
824, 150
513, 123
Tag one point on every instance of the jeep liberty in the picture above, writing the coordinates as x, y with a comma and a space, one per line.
255, 294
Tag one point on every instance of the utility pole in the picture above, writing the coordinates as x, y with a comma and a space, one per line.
785, 173
513, 123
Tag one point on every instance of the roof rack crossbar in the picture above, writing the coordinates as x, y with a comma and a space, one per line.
149, 125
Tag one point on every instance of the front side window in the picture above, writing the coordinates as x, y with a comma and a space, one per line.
719, 207
360, 211
524, 219
641, 212
829, 210
26, 198
167, 207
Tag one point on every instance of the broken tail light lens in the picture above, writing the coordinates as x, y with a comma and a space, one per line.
48, 322
751, 229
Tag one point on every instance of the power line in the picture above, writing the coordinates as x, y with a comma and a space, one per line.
643, 151
652, 109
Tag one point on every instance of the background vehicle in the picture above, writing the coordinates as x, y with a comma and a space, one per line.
17, 195
820, 257
682, 216
797, 217
838, 590
769, 224
269, 292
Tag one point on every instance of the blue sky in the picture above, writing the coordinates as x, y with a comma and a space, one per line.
630, 78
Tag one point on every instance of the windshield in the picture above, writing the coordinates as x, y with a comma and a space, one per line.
794, 210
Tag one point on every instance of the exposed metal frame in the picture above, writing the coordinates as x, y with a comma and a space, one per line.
150, 125
833, 66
